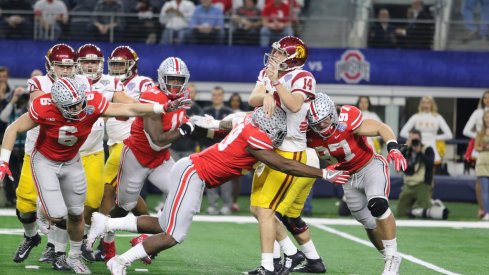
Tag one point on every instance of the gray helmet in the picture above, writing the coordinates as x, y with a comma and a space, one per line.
275, 127
173, 67
67, 92
321, 108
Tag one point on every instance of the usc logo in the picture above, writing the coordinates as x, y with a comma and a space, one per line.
300, 51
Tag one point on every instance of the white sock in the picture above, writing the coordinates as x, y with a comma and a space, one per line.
30, 229
75, 248
128, 223
288, 246
109, 237
51, 237
86, 229
267, 261
276, 250
137, 252
60, 239
310, 250
390, 247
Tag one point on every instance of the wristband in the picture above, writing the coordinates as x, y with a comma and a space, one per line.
392, 144
5, 155
275, 83
158, 109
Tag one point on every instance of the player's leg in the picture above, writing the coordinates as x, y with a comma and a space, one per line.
93, 164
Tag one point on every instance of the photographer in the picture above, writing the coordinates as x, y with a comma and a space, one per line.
418, 182
16, 107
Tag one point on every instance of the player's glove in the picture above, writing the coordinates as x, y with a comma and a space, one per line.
180, 103
206, 121
187, 128
5, 170
396, 156
335, 176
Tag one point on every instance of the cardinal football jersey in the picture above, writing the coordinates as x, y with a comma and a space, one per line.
351, 151
119, 129
59, 138
147, 153
229, 159
44, 83
296, 81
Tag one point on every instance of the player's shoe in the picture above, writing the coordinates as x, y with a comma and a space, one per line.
392, 265
98, 228
290, 262
260, 271
77, 263
25, 247
117, 266
277, 263
311, 266
48, 254
139, 239
108, 250
88, 255
60, 263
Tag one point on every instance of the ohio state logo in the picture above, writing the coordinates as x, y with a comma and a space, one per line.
352, 67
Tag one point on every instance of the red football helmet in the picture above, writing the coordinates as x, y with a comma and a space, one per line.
123, 63
60, 55
85, 55
293, 48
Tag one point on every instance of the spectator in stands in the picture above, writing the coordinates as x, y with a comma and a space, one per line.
275, 22
428, 121
50, 15
14, 24
80, 25
472, 127
364, 104
382, 33
482, 164
141, 25
415, 197
175, 16
103, 25
468, 9
4, 93
225, 5
418, 33
207, 24
16, 107
247, 23
218, 110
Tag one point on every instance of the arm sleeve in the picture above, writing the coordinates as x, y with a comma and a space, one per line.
259, 141
404, 133
470, 129
446, 132
304, 82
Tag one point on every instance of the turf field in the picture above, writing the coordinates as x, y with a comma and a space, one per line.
229, 245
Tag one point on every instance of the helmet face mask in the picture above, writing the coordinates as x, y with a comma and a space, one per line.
275, 127
294, 52
60, 61
173, 70
70, 98
90, 61
122, 63
322, 115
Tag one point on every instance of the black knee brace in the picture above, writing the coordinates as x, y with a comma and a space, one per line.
61, 224
26, 217
295, 225
378, 206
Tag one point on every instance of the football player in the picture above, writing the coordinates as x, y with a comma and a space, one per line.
253, 139
66, 116
60, 62
341, 140
284, 83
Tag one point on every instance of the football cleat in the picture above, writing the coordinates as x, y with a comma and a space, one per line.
260, 271
60, 263
108, 250
48, 254
25, 247
77, 263
290, 262
98, 228
117, 266
392, 265
277, 263
311, 266
87, 255
139, 239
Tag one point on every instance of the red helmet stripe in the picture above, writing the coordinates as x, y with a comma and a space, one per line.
177, 66
313, 110
70, 88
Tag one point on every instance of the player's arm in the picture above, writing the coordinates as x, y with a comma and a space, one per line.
143, 109
121, 97
258, 95
20, 125
291, 167
154, 128
373, 128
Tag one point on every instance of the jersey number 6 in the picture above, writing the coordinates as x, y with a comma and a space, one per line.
66, 136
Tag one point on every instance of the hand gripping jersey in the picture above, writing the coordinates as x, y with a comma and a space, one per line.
59, 138
119, 129
106, 85
351, 151
44, 83
294, 81
229, 159
147, 153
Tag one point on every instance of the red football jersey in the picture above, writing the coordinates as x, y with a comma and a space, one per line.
60, 138
350, 150
229, 159
147, 153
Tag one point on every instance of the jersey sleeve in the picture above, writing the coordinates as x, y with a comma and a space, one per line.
304, 82
153, 95
99, 101
261, 77
33, 84
39, 109
350, 118
257, 139
118, 86
145, 84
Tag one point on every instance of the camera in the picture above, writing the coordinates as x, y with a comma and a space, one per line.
415, 142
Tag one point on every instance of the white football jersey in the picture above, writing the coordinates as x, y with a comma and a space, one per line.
119, 129
296, 81
106, 85
44, 83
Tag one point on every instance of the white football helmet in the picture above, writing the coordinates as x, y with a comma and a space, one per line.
321, 108
173, 68
275, 127
66, 94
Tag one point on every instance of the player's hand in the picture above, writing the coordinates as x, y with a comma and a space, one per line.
206, 121
269, 105
180, 103
187, 128
336, 176
396, 156
5, 170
